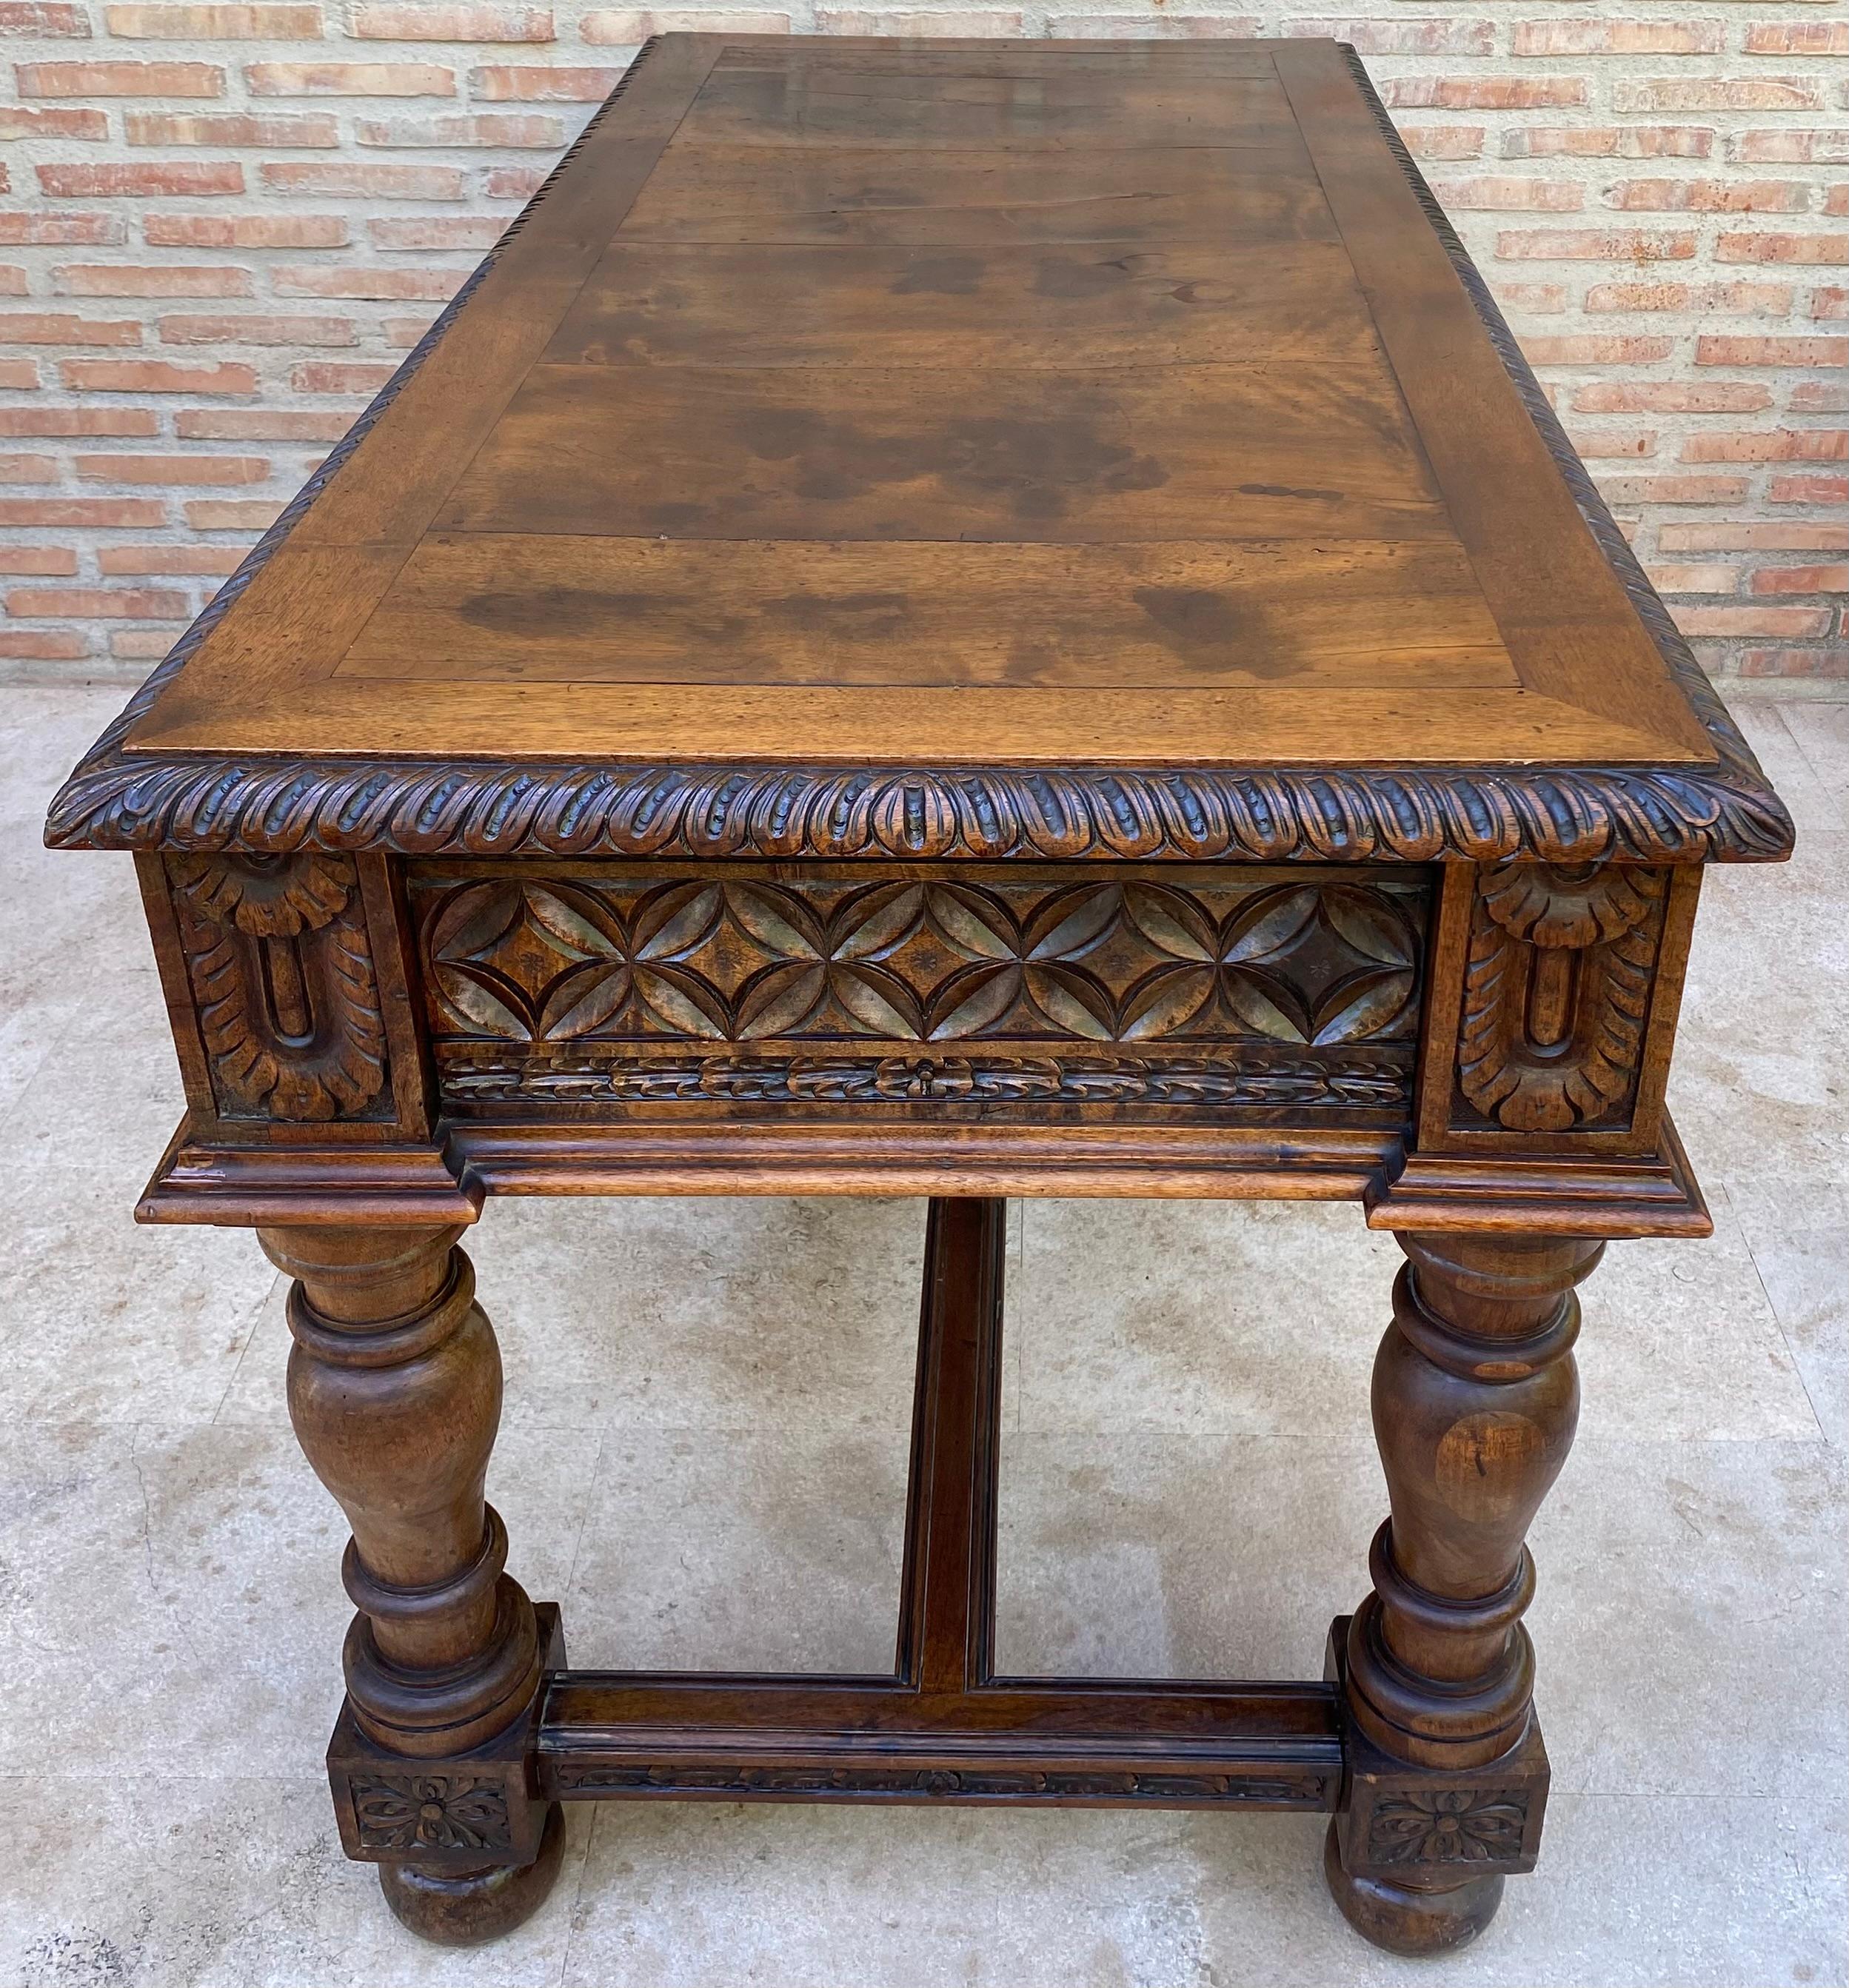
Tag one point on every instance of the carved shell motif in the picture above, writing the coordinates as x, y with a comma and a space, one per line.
1557, 993
281, 969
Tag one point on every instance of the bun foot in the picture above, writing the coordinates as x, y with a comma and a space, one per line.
1405, 1920
464, 1908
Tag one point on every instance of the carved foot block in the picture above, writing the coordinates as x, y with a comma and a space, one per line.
460, 1817
1416, 1856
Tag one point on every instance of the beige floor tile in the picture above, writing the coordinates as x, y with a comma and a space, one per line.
1798, 1233
162, 1880
1770, 727
1821, 729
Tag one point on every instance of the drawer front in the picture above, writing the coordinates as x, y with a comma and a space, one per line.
979, 991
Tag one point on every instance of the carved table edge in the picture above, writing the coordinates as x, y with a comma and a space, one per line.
1726, 812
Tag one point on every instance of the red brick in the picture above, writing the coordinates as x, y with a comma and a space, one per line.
1595, 349
1510, 190
1623, 38
1533, 297
43, 20
378, 286
165, 469
366, 181
220, 514
541, 83
329, 79
1595, 244
143, 645
1754, 537
1429, 37
1775, 445
1640, 442
38, 562
260, 424
405, 332
540, 133
1673, 93
23, 120
194, 23
121, 78
1792, 148
1809, 490
629, 26
1767, 351
1443, 141
1767, 248
43, 645
173, 279
156, 376
12, 282
513, 182
1822, 662
1710, 196
1835, 198
226, 330
128, 603
1833, 579
78, 421
339, 375
230, 128
1609, 141
190, 177
28, 469
244, 230
1713, 578
1484, 92
50, 328
1674, 489
1819, 396
21, 375
375, 22
438, 231
137, 561
1784, 621
1671, 397
1733, 299
1797, 38
84, 514
72, 231
1832, 302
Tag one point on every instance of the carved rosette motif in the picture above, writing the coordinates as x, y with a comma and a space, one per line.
413, 1812
1556, 993
652, 988
278, 955
1449, 1826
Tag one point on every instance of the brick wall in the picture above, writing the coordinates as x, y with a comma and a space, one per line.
222, 224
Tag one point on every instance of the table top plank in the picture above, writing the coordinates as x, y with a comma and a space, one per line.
1051, 416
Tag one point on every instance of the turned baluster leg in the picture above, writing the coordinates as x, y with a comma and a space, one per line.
395, 1388
1475, 1396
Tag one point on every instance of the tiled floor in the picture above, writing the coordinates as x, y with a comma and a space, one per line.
703, 1460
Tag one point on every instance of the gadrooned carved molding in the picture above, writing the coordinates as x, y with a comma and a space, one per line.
1241, 989
121, 800
1308, 1790
280, 964
1556, 994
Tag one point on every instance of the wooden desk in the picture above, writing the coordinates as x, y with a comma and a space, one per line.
960, 619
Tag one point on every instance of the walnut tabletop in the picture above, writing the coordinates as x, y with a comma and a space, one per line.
956, 618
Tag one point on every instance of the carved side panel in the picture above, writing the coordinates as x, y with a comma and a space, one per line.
661, 986
279, 965
1565, 981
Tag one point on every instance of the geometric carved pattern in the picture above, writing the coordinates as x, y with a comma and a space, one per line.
278, 954
1238, 989
1556, 993
412, 1812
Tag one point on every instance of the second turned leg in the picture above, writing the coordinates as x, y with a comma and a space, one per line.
394, 1389
1475, 1398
